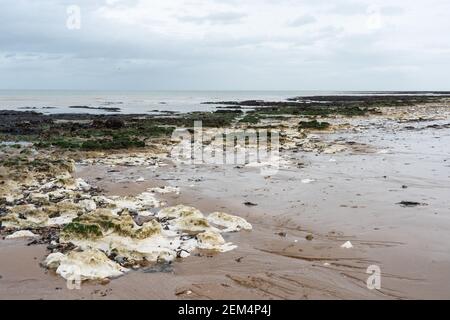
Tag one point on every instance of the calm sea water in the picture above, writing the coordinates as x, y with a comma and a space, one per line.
137, 102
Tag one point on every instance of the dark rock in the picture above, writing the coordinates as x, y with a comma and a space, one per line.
114, 123
250, 204
411, 204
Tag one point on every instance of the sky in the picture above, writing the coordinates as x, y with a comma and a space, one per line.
225, 44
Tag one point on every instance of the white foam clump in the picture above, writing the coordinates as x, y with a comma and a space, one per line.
308, 181
21, 234
229, 222
347, 245
90, 264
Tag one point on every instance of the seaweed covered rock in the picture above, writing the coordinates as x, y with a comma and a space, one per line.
103, 222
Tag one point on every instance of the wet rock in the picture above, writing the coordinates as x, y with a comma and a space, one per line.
250, 204
411, 204
159, 268
140, 220
114, 123
228, 222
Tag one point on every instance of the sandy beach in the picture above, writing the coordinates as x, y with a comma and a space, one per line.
379, 180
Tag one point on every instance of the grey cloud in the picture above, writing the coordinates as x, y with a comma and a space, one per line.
301, 21
215, 18
36, 49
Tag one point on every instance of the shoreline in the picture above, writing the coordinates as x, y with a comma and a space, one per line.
289, 263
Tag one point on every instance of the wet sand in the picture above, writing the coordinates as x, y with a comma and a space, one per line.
355, 197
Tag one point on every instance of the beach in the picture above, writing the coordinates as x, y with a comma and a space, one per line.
369, 171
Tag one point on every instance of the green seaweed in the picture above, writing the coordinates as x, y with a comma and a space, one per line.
81, 230
314, 124
250, 118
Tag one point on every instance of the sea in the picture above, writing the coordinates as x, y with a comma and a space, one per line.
139, 102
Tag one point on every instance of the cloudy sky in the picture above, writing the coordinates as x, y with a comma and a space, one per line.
225, 44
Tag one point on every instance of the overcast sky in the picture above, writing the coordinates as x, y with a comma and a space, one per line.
225, 44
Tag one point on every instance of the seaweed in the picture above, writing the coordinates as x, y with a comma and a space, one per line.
314, 125
250, 118
82, 230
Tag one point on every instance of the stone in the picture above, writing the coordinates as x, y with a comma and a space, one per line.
21, 234
229, 222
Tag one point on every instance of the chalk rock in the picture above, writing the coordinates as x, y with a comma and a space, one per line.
229, 222
39, 197
53, 260
211, 240
180, 211
83, 185
86, 265
192, 224
165, 190
88, 205
21, 234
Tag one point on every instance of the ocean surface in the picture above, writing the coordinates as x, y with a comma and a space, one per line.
139, 102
